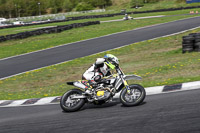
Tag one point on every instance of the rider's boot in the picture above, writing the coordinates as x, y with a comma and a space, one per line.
89, 87
88, 91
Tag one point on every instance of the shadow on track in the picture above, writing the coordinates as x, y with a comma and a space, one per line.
103, 106
134, 106
106, 105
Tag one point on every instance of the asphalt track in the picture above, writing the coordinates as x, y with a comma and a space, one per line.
176, 112
19, 64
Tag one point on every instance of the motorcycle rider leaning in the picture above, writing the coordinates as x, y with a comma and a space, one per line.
101, 68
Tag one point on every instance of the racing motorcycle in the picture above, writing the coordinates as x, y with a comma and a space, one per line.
103, 92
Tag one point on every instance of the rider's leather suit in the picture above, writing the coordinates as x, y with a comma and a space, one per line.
99, 68
95, 73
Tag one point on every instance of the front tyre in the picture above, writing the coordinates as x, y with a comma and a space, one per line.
70, 105
136, 97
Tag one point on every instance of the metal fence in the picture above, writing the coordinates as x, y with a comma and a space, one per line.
192, 1
53, 16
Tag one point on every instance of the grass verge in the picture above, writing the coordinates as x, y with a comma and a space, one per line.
159, 62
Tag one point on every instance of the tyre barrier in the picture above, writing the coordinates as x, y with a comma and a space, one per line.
50, 30
100, 16
191, 43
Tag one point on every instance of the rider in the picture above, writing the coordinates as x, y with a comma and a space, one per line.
101, 68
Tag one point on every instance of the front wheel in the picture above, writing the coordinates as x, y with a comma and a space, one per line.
136, 96
68, 104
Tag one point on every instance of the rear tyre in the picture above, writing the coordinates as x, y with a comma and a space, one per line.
70, 105
136, 97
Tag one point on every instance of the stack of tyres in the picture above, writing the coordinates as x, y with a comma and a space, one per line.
50, 30
188, 43
2, 38
197, 42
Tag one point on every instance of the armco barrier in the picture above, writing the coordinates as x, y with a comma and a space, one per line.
67, 19
56, 29
48, 22
101, 16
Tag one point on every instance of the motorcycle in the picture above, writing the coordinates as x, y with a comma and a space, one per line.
103, 92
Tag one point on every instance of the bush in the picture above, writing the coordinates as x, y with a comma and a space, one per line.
83, 7
136, 3
180, 1
152, 1
139, 3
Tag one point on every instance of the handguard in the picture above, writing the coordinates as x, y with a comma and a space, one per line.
70, 83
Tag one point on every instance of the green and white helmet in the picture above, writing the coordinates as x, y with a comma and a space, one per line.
111, 60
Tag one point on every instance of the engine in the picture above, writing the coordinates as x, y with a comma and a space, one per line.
103, 94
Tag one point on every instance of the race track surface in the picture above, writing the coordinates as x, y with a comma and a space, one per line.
164, 113
56, 55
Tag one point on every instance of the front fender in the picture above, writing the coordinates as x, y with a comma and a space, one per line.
130, 77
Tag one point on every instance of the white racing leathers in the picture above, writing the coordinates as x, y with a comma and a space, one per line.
98, 68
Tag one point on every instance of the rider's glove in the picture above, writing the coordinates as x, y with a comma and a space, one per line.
105, 81
97, 78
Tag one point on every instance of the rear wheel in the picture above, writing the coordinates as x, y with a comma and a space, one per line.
136, 96
68, 104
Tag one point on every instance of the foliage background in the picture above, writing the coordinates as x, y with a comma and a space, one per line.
22, 8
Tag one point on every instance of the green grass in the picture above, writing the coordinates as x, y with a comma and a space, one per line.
159, 62
16, 47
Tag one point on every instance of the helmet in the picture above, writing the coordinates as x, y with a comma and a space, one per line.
111, 60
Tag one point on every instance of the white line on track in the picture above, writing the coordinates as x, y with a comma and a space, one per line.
2, 101
191, 85
28, 105
154, 90
159, 16
44, 100
16, 103
96, 38
116, 20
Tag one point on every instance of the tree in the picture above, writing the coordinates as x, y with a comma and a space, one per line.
21, 8
83, 6
136, 3
9, 7
68, 5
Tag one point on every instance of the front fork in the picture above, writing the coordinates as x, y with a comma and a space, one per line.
126, 86
124, 81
